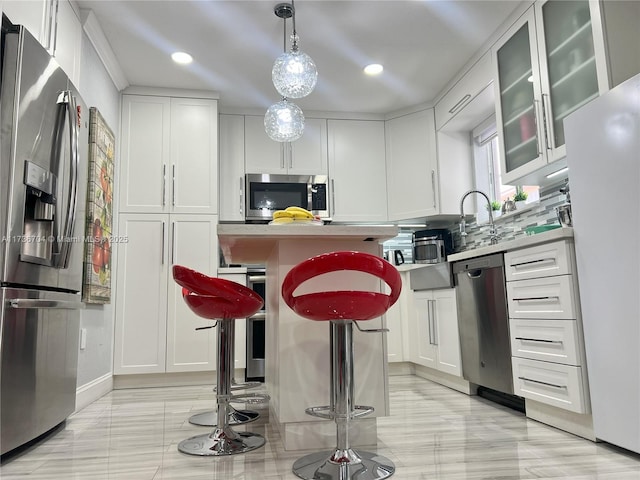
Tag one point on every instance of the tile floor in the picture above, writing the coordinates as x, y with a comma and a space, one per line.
433, 433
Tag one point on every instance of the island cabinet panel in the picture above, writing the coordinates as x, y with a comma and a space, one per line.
155, 330
358, 189
169, 153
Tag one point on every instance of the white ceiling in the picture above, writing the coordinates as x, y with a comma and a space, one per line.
422, 45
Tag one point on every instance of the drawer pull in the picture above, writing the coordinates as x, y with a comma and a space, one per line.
536, 299
533, 262
525, 339
460, 103
525, 379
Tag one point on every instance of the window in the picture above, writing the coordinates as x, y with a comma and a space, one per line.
486, 155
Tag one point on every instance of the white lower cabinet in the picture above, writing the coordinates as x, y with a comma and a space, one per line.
545, 326
396, 320
551, 383
154, 329
434, 339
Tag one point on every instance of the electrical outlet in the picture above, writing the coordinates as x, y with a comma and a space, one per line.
83, 338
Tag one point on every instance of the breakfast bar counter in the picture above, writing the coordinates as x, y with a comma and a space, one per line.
297, 373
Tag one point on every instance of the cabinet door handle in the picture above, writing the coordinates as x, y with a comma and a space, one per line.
537, 117
241, 195
546, 107
433, 186
536, 299
429, 323
164, 184
333, 197
173, 185
282, 155
290, 155
54, 20
462, 102
434, 320
173, 241
162, 253
539, 340
540, 261
525, 379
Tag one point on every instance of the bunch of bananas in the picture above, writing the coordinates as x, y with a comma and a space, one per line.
292, 214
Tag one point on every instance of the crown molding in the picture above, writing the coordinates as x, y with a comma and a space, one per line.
99, 41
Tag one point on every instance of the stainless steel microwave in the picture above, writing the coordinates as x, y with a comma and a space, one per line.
266, 193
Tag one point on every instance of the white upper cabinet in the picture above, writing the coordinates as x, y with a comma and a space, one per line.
412, 169
67, 44
357, 171
464, 91
231, 192
305, 156
549, 63
37, 16
55, 25
169, 155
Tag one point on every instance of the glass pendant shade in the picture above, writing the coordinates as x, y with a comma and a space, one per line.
294, 74
284, 121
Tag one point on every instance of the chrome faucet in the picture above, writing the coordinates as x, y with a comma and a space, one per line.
463, 224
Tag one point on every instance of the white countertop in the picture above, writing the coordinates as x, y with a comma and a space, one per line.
252, 243
520, 242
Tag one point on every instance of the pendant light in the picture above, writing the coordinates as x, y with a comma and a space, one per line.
284, 121
294, 73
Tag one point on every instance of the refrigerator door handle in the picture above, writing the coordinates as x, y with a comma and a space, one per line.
66, 99
38, 303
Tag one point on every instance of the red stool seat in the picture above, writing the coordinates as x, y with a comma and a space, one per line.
341, 305
213, 298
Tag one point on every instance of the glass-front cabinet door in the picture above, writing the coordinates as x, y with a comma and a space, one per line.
546, 68
519, 110
569, 72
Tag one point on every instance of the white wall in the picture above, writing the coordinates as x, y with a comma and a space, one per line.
96, 360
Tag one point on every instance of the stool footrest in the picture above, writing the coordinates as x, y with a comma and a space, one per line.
251, 398
241, 386
326, 412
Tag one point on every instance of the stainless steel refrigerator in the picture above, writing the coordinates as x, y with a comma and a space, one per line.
43, 174
603, 155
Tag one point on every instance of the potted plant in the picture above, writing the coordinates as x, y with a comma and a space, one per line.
496, 208
520, 197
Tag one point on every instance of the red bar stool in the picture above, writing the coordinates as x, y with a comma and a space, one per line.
342, 309
223, 301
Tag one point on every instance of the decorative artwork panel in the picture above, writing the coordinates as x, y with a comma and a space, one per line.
97, 260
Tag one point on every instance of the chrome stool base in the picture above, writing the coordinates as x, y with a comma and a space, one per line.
343, 465
235, 417
221, 442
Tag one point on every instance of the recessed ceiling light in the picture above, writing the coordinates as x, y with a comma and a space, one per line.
373, 69
182, 58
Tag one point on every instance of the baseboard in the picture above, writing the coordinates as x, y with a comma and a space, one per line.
451, 381
92, 391
401, 368
576, 423
180, 379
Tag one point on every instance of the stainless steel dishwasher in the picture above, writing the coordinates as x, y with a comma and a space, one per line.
484, 322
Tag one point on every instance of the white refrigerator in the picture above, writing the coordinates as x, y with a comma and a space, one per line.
603, 155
